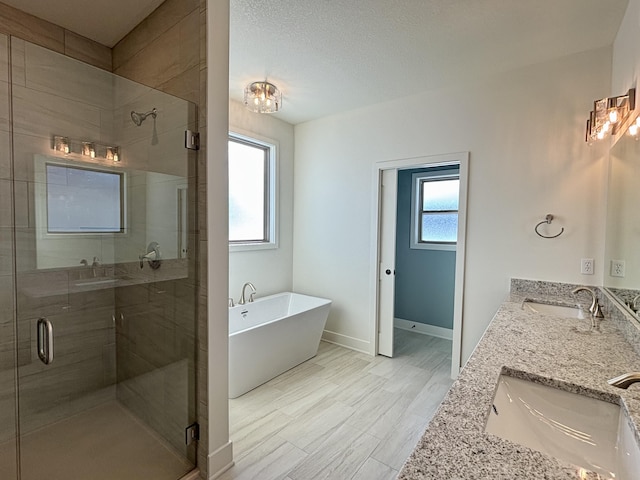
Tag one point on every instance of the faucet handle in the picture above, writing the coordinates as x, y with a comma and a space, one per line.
231, 304
597, 311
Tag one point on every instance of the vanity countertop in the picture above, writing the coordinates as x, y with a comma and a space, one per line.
566, 352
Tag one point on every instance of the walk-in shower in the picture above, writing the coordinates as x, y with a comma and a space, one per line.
97, 358
138, 118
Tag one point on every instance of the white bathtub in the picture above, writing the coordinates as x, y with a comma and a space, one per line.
271, 335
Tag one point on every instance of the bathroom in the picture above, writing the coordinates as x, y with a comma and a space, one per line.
523, 126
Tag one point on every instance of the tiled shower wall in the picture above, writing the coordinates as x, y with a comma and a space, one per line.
166, 51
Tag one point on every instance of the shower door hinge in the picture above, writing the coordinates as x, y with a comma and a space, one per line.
192, 433
191, 140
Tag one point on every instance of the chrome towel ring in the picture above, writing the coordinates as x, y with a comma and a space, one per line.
547, 220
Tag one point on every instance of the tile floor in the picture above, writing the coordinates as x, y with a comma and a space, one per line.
342, 415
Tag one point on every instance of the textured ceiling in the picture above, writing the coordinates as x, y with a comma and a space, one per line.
105, 21
329, 56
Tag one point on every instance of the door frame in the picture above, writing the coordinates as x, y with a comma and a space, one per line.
461, 158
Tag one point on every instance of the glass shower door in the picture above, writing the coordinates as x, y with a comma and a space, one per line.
8, 451
105, 286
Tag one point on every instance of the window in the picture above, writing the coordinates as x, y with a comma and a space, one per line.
251, 193
435, 209
83, 200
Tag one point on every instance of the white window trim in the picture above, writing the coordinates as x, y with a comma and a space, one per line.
274, 214
414, 242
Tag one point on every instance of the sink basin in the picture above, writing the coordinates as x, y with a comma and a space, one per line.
558, 310
583, 431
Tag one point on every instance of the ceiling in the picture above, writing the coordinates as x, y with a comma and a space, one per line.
105, 21
329, 56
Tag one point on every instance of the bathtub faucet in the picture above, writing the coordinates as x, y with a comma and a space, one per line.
253, 291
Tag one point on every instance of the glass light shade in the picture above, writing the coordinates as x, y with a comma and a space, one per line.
61, 144
262, 97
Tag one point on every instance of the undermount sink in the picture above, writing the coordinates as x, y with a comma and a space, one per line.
558, 310
588, 433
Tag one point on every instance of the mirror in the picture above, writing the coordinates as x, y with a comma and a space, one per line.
622, 255
87, 212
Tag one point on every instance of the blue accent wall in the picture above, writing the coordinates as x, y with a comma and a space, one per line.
425, 279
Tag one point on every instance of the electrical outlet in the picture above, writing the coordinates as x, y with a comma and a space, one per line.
617, 268
586, 266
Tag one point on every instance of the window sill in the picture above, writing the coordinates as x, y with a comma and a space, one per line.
432, 246
247, 247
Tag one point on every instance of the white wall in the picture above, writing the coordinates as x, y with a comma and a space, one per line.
525, 133
217, 430
626, 54
269, 270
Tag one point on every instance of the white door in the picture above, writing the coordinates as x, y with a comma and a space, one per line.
387, 265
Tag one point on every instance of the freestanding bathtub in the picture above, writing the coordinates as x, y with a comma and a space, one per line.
271, 335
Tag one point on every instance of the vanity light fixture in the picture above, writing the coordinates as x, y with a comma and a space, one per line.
113, 153
61, 144
608, 114
262, 97
92, 150
89, 149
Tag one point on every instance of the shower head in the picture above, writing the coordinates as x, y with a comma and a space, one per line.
138, 118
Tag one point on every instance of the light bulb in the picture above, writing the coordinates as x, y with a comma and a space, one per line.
605, 127
633, 129
613, 116
600, 134
256, 101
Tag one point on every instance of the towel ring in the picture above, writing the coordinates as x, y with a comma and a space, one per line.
547, 220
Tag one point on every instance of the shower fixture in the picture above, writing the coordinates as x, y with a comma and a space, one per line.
138, 118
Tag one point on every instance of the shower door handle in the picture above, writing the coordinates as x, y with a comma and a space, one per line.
45, 340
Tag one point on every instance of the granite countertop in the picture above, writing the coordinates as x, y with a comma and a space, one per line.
561, 352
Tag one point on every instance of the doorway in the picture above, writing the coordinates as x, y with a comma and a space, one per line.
385, 224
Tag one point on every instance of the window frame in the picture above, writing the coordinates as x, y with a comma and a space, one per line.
271, 191
417, 180
90, 168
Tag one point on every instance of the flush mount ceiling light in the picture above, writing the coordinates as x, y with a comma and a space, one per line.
262, 97
609, 114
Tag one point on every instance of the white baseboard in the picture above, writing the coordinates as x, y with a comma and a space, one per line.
346, 341
423, 328
220, 461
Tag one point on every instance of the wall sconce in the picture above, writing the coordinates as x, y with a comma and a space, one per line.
89, 149
113, 154
608, 114
61, 144
262, 97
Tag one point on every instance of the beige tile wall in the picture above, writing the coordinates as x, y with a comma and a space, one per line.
35, 30
167, 51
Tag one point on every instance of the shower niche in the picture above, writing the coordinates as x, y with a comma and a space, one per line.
93, 170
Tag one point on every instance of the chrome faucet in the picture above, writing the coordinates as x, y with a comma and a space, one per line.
231, 303
633, 304
94, 266
253, 291
595, 310
623, 381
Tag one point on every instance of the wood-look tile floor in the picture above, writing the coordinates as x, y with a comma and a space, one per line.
342, 415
